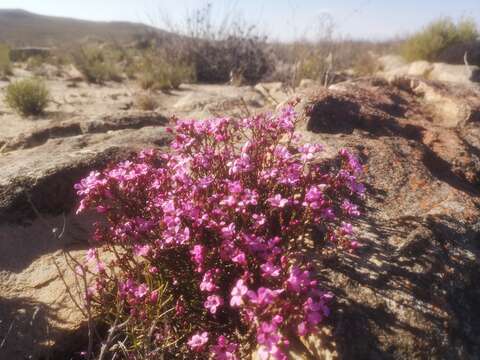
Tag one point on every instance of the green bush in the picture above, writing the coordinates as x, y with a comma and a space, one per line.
5, 65
27, 97
438, 36
95, 65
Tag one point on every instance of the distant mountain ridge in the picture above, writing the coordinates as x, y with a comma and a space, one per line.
23, 28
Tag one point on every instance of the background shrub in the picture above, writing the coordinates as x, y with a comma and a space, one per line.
5, 65
429, 43
325, 57
325, 61
244, 54
27, 97
146, 102
365, 64
34, 63
315, 66
219, 46
96, 65
158, 71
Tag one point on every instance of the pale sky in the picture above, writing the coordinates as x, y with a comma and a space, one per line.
279, 19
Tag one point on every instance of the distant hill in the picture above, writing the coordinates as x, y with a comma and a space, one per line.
22, 28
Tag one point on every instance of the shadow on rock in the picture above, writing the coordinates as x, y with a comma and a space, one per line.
26, 329
410, 292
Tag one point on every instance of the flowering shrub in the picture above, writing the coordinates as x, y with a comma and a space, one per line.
208, 244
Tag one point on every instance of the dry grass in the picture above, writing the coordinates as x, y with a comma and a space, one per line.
96, 65
219, 46
27, 97
326, 61
212, 49
146, 102
5, 65
155, 71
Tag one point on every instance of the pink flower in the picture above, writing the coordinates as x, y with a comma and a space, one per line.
270, 270
263, 296
91, 255
350, 208
260, 219
87, 185
197, 342
224, 350
198, 254
141, 250
302, 329
235, 187
238, 292
79, 270
102, 209
354, 245
240, 258
298, 280
308, 151
278, 201
347, 228
213, 303
282, 153
146, 153
141, 291
328, 214
314, 318
352, 160
314, 197
126, 287
228, 232
271, 340
154, 296
208, 283
229, 201
179, 307
153, 270
99, 266
316, 310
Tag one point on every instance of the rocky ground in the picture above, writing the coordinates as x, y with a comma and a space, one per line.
410, 292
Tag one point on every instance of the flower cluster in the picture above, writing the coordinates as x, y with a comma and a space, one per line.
216, 233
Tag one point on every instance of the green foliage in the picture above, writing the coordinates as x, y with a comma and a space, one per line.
5, 65
27, 97
96, 65
438, 36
